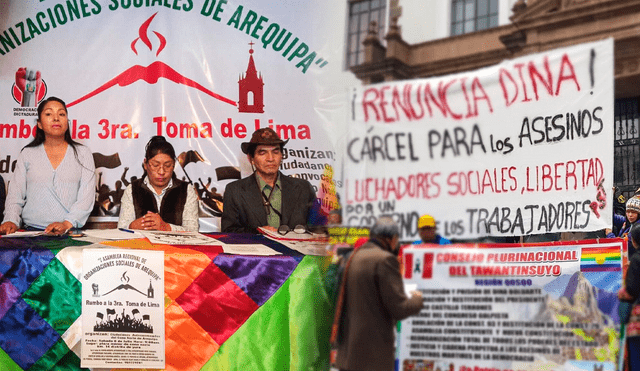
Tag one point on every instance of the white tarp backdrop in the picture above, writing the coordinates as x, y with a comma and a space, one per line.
203, 73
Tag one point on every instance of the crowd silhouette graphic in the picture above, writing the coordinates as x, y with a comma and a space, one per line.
123, 322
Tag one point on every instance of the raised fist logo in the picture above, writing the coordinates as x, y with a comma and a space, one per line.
29, 83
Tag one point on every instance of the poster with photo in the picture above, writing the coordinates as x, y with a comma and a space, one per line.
123, 308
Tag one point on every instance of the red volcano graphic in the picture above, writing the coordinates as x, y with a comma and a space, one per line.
151, 73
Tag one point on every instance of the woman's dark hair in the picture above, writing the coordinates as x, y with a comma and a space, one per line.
158, 144
40, 136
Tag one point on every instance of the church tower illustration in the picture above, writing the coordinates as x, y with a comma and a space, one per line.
251, 88
150, 290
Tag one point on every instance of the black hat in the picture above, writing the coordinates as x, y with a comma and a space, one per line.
265, 136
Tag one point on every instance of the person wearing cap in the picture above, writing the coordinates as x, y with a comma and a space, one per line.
427, 232
267, 198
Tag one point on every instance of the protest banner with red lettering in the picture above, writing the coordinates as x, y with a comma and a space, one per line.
523, 147
545, 307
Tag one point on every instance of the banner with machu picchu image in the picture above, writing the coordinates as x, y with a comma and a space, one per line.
551, 306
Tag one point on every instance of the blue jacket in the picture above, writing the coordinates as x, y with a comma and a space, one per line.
623, 227
439, 241
622, 224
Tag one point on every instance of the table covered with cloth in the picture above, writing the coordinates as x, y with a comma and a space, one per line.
223, 312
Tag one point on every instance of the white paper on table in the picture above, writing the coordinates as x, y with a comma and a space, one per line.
179, 238
123, 309
249, 249
112, 234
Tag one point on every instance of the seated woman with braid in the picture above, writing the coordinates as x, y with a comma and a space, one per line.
159, 201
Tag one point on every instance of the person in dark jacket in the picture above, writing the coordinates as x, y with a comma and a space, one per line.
267, 198
158, 200
370, 302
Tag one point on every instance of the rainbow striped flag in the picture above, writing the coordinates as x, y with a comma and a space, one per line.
223, 312
601, 259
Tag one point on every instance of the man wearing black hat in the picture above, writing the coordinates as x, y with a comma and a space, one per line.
267, 198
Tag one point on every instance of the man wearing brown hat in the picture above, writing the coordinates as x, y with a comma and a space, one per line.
267, 198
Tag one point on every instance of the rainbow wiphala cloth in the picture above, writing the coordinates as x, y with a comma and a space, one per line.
601, 259
223, 312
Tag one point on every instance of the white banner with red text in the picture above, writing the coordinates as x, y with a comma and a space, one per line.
524, 147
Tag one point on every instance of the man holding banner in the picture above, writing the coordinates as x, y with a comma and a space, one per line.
266, 198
